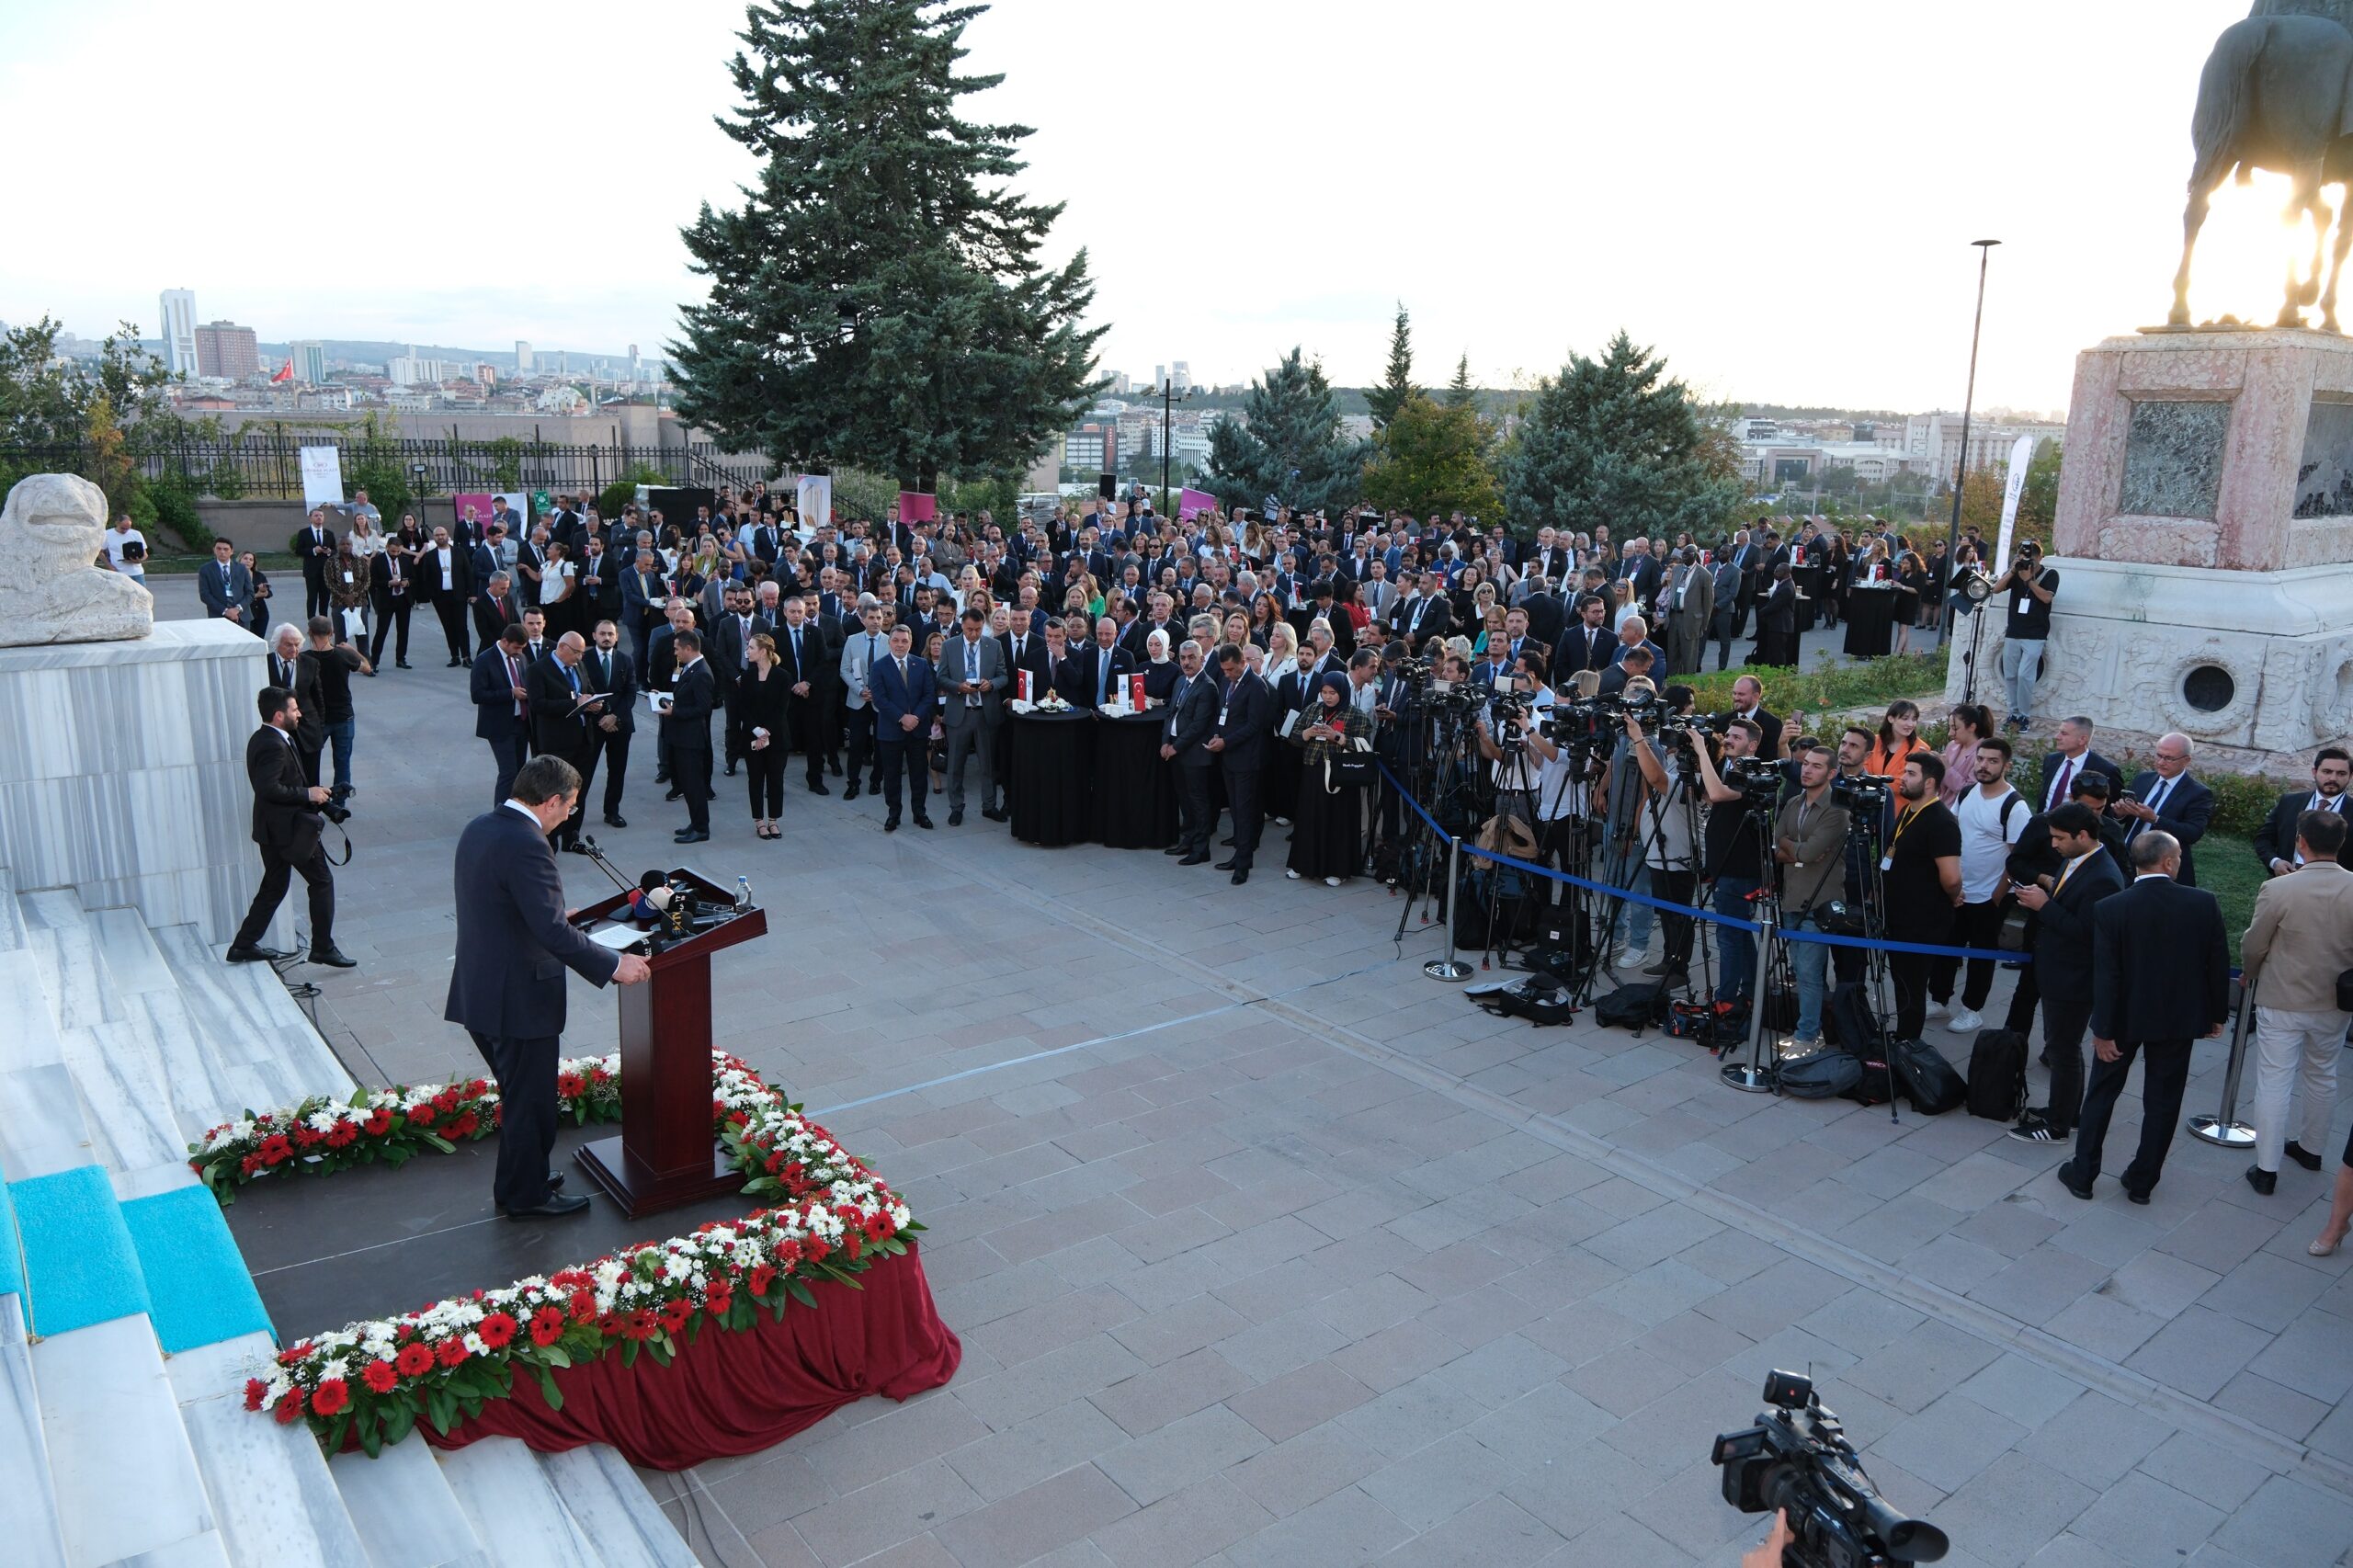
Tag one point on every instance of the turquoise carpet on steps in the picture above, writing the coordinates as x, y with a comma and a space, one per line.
80, 1265
197, 1279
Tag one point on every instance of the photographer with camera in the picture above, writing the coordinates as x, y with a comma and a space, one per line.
1809, 837
2031, 587
1667, 761
286, 815
1732, 849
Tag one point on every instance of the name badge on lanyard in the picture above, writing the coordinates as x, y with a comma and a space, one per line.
1887, 862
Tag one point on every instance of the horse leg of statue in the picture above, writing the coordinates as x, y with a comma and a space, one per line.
2317, 210
2201, 192
2303, 198
2336, 265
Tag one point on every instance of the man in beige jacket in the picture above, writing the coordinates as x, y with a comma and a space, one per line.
2300, 941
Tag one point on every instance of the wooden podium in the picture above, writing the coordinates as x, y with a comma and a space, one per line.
666, 1155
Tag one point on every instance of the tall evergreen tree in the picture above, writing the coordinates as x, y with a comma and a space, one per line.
1387, 398
1288, 444
1616, 440
878, 297
1459, 393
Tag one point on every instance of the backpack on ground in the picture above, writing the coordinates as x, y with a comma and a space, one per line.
1824, 1075
1635, 1007
1997, 1088
1874, 1083
1540, 999
1925, 1078
1855, 1024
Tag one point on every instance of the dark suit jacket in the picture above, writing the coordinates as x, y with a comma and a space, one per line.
2189, 806
314, 566
1548, 618
222, 589
1581, 647
494, 700
819, 654
459, 579
895, 698
1437, 621
687, 727
1033, 659
1083, 665
1249, 709
555, 728
2276, 840
2063, 929
2161, 965
622, 686
2091, 762
724, 646
492, 617
1187, 724
310, 734
513, 941
284, 819
1779, 612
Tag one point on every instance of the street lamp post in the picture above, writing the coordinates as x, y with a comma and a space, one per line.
1167, 402
1968, 406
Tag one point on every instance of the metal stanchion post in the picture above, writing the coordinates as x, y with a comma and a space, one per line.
1447, 968
1756, 1075
2224, 1127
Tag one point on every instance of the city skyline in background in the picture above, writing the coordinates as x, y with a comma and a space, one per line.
1231, 211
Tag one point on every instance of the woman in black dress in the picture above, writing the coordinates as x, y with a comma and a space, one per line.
763, 696
1326, 829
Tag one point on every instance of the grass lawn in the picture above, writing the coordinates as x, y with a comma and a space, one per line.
2226, 868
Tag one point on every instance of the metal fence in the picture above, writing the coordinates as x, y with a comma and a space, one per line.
266, 465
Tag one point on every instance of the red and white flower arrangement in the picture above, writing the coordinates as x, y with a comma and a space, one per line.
371, 1383
323, 1135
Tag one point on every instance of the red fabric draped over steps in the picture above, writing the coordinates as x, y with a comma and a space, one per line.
735, 1393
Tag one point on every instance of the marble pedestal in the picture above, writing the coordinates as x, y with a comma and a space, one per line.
122, 774
2204, 542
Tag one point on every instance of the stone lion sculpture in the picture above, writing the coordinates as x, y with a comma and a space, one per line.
52, 529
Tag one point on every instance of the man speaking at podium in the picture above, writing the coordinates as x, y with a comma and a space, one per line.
507, 989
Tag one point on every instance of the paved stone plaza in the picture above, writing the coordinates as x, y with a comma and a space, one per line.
1267, 1250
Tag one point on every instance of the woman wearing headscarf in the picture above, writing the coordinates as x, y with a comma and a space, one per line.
1326, 831
1159, 670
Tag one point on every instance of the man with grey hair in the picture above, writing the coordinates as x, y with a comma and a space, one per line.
496, 608
300, 677
2167, 797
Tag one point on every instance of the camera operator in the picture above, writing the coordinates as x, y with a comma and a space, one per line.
2031, 587
1921, 873
1666, 827
1810, 839
285, 825
1509, 731
1731, 856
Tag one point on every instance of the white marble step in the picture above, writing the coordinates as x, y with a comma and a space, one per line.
30, 1038
12, 919
244, 1015
120, 1466
28, 1510
124, 1089
64, 945
276, 1501
609, 1502
127, 953
206, 1087
513, 1507
405, 1512
41, 1127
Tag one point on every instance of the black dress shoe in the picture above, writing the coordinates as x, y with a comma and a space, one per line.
1226, 865
851, 792
400, 664
575, 847
2302, 1155
996, 813
1241, 875
1198, 858
2140, 1198
956, 818
616, 821
891, 825
834, 766
730, 771
817, 787
1229, 844
255, 955
676, 795
692, 835
2067, 1180
333, 958
874, 785
553, 1207
2263, 1181
555, 1180
922, 820
1174, 849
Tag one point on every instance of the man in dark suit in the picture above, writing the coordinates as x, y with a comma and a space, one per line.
1185, 729
2063, 904
2169, 798
608, 668
2074, 756
286, 826
1025, 650
1098, 668
445, 576
807, 659
1588, 646
1426, 614
315, 545
1548, 618
501, 714
560, 724
727, 642
1748, 702
226, 588
289, 669
686, 734
2274, 842
1777, 621
644, 602
1730, 609
496, 608
1245, 709
903, 687
2160, 969
507, 983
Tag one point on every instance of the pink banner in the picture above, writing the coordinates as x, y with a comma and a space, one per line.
1189, 501
915, 507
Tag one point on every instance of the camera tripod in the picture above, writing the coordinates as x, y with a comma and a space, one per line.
1761, 1074
1631, 854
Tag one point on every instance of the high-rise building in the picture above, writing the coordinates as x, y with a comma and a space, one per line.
1119, 383
409, 370
310, 362
179, 328
1182, 374
522, 358
486, 374
225, 349
1159, 377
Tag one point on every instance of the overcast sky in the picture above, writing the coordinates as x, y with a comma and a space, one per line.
1778, 196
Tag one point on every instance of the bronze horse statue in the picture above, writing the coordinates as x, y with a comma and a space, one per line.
2277, 94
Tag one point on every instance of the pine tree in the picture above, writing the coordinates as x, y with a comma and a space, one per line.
878, 297
1459, 393
1618, 441
1288, 445
1387, 398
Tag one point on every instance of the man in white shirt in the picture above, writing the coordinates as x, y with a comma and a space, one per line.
1991, 817
126, 550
